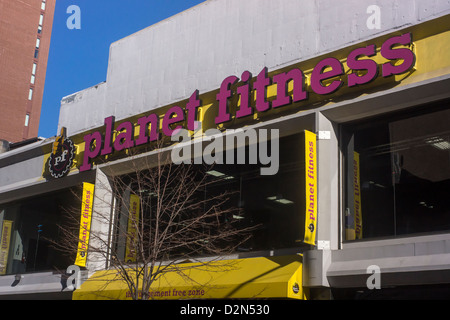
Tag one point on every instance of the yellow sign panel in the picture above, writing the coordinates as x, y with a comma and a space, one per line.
85, 224
357, 196
133, 222
4, 245
310, 187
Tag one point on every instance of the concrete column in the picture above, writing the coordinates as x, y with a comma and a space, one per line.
328, 175
4, 146
100, 225
317, 262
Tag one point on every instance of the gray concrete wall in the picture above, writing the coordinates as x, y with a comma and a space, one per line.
21, 167
407, 261
198, 48
21, 173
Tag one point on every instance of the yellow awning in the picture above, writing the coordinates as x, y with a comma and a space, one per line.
253, 278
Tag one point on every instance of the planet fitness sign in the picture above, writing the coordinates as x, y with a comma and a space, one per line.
363, 70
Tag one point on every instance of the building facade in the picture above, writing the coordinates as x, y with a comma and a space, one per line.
358, 205
25, 33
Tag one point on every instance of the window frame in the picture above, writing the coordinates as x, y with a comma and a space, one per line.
370, 121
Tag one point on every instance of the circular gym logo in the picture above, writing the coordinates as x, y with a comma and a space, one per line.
296, 288
61, 159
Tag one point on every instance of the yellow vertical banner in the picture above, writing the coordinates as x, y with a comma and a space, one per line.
85, 224
4, 245
357, 196
310, 187
133, 222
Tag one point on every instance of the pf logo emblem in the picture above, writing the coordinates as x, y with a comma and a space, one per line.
61, 158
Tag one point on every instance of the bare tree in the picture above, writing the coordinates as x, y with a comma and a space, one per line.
164, 214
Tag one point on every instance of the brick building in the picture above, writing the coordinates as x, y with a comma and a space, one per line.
25, 32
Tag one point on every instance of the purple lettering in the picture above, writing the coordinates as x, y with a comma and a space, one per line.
124, 139
327, 77
282, 80
109, 123
143, 122
244, 92
260, 85
367, 64
222, 97
388, 52
191, 108
91, 140
318, 76
178, 116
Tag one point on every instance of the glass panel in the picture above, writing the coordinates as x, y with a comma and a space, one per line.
404, 175
35, 224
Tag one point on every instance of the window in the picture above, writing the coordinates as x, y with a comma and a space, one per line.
38, 43
41, 20
397, 173
33, 73
30, 94
43, 5
272, 203
35, 224
36, 53
27, 120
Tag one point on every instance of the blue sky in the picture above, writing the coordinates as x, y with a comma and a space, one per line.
78, 59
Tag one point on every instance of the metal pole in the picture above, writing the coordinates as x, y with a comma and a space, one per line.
37, 245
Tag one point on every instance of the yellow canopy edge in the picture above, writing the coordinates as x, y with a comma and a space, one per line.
251, 278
